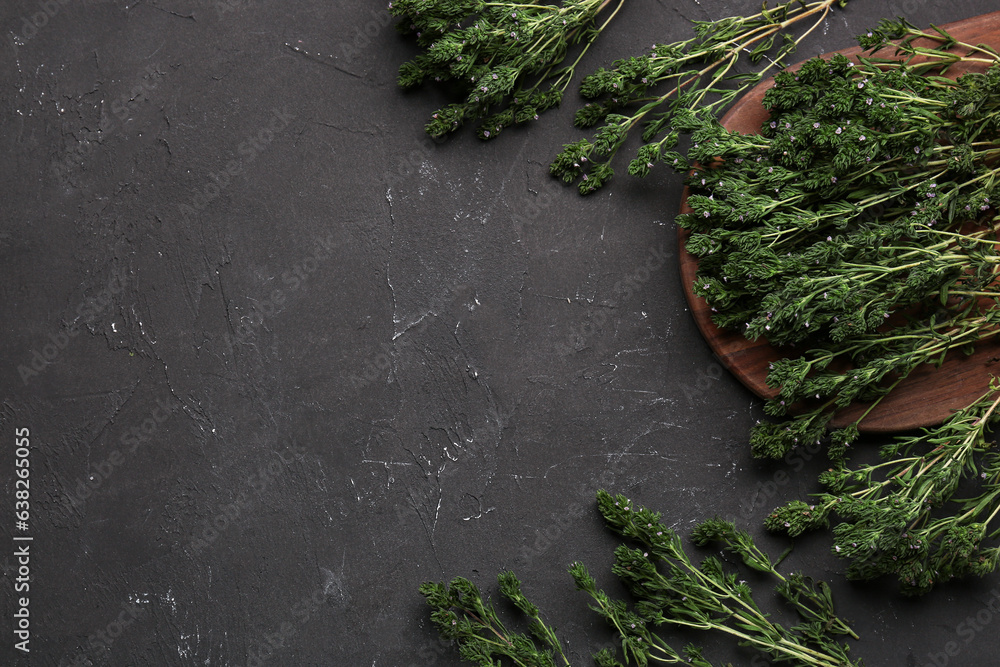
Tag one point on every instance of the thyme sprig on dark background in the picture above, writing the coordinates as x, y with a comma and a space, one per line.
675, 86
900, 516
669, 590
505, 58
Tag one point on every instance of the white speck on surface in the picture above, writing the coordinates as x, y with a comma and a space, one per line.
139, 599
184, 649
169, 599
333, 582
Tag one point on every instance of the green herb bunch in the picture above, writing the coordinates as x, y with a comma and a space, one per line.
503, 57
900, 516
460, 614
668, 588
861, 227
675, 87
868, 194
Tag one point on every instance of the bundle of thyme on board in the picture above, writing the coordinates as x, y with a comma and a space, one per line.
669, 590
861, 226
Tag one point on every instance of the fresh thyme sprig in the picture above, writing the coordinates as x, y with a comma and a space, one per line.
900, 516
861, 224
504, 56
697, 80
669, 589
461, 615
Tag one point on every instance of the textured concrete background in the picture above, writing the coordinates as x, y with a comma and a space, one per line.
296, 358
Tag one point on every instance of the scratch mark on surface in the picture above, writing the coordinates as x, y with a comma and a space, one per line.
172, 13
389, 478
319, 58
412, 324
353, 130
480, 513
388, 266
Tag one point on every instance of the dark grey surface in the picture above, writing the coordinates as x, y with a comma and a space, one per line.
368, 361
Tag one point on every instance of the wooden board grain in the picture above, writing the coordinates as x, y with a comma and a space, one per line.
930, 393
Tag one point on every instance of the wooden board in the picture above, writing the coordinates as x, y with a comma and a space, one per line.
929, 394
